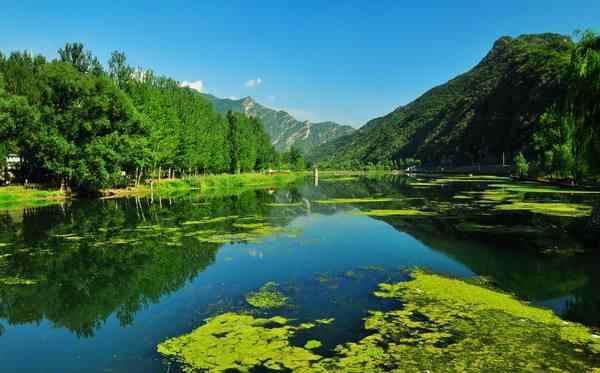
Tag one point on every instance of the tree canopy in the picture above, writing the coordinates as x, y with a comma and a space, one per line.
75, 124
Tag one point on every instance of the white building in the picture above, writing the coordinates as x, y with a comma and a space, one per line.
12, 160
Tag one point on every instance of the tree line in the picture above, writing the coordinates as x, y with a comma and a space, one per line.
566, 141
79, 124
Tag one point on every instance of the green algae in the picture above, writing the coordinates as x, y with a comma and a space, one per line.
341, 201
532, 188
441, 325
235, 342
499, 229
296, 204
312, 344
267, 297
207, 220
14, 281
548, 208
404, 212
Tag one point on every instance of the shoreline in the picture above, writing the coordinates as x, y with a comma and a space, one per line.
18, 196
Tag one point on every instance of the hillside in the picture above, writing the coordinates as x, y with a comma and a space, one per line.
474, 117
285, 130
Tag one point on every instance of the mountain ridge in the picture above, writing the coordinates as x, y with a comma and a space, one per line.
285, 130
475, 117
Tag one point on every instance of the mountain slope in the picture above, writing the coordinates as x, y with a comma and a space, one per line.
475, 117
285, 130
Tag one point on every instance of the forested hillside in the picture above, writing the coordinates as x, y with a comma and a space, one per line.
474, 118
76, 123
285, 130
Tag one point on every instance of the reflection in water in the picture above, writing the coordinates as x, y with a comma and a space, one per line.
119, 276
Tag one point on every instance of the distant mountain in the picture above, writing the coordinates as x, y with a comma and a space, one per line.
284, 129
475, 117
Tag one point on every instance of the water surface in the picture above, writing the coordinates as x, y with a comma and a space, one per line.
96, 285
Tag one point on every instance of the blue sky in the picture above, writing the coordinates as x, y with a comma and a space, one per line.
347, 61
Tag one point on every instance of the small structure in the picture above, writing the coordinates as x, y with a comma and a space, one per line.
12, 162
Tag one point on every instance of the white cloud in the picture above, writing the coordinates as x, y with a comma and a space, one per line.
232, 97
253, 83
197, 85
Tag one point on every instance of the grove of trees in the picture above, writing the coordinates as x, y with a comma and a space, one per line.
77, 124
567, 140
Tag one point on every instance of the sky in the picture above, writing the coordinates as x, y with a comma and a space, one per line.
346, 61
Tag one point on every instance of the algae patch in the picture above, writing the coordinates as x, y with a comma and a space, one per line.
342, 201
239, 342
267, 297
404, 212
442, 325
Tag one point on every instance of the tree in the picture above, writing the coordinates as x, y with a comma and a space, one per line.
522, 165
555, 141
119, 70
582, 99
82, 60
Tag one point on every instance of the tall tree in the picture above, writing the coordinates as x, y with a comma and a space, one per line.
76, 55
119, 70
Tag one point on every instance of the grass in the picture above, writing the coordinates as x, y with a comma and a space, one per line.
19, 196
343, 201
212, 185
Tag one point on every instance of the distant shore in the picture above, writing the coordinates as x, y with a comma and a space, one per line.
26, 196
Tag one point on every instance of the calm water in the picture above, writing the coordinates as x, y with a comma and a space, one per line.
96, 285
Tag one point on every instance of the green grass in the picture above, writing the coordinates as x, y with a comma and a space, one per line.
19, 196
216, 185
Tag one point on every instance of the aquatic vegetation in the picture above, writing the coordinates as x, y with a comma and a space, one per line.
442, 325
424, 184
208, 220
267, 297
280, 204
334, 179
538, 188
342, 201
547, 208
239, 342
12, 281
405, 212
312, 344
498, 229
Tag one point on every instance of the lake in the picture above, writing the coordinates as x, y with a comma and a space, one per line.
96, 285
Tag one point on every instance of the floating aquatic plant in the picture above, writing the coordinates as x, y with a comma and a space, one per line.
341, 201
548, 208
443, 325
236, 342
267, 297
404, 212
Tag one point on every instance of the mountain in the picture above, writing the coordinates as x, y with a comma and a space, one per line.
476, 117
285, 130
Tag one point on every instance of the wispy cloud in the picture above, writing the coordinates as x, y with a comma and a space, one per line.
253, 83
197, 85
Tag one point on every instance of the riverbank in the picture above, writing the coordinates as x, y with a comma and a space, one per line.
213, 185
21, 196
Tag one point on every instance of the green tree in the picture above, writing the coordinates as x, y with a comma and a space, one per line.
119, 70
522, 165
76, 55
